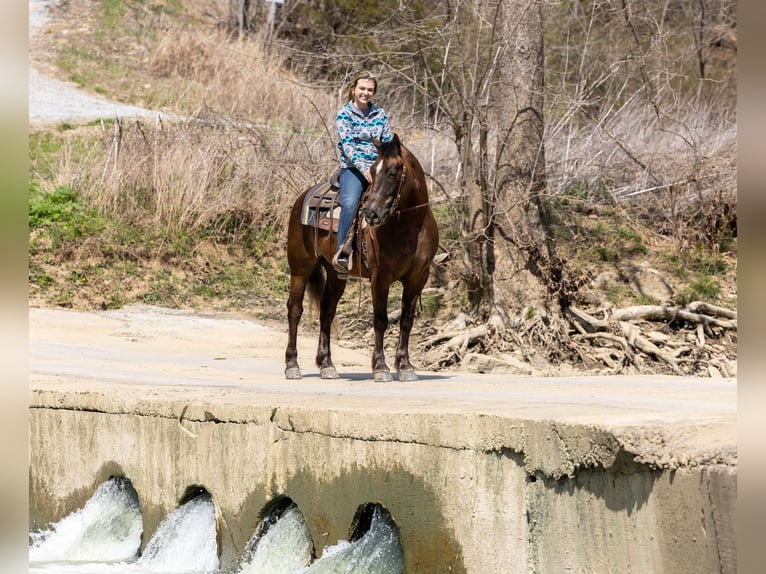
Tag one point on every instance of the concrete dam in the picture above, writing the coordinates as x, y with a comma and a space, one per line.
481, 474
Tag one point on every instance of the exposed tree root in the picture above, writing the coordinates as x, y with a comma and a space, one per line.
645, 339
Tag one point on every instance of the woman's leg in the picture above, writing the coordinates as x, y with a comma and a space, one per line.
352, 183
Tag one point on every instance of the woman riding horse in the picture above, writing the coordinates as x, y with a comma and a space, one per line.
358, 122
397, 244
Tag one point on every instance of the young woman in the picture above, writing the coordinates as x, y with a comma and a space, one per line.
357, 123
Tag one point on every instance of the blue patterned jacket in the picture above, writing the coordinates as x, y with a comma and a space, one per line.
355, 133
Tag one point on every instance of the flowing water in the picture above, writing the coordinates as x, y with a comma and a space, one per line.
281, 547
378, 551
104, 537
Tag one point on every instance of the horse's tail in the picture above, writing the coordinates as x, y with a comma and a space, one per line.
316, 285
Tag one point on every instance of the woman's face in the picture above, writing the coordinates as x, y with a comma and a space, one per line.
363, 92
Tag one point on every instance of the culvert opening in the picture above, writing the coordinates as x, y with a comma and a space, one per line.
107, 527
187, 538
362, 521
193, 491
281, 542
373, 545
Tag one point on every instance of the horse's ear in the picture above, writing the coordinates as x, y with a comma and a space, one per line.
392, 147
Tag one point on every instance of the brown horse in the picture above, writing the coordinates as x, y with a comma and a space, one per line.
399, 241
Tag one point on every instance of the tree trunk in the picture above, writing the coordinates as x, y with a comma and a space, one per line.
475, 224
237, 17
524, 273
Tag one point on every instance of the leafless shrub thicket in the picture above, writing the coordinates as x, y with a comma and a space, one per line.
641, 108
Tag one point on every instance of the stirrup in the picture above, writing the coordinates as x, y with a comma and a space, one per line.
341, 265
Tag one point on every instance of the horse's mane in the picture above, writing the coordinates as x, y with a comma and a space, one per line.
391, 148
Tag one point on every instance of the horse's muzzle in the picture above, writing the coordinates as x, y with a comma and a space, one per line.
374, 218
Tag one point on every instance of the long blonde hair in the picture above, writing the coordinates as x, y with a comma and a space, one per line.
364, 75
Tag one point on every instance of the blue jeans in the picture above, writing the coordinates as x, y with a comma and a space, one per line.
352, 184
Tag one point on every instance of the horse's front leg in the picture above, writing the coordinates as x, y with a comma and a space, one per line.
333, 291
404, 368
380, 371
294, 312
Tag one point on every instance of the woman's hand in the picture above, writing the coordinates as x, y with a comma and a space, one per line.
367, 175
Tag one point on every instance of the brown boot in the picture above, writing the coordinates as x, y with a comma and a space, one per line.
340, 263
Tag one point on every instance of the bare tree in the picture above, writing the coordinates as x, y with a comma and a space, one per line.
519, 251
240, 17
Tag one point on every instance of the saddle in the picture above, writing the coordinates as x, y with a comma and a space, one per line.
321, 210
320, 207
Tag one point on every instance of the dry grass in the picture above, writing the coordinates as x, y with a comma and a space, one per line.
202, 175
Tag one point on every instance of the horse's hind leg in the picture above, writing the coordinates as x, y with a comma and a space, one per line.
294, 313
333, 291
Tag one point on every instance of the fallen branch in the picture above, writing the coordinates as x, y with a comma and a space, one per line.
610, 337
458, 339
661, 313
708, 309
634, 338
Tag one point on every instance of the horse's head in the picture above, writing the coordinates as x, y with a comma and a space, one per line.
389, 173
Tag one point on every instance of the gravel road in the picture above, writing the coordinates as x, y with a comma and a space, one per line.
52, 100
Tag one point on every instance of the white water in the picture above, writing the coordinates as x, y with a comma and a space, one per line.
284, 548
379, 551
104, 538
105, 535
108, 527
185, 540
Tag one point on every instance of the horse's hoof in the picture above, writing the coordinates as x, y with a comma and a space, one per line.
383, 377
328, 373
408, 376
293, 373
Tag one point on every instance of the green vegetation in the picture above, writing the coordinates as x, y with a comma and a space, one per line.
430, 304
61, 214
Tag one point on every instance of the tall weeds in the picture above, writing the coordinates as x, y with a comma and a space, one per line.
204, 175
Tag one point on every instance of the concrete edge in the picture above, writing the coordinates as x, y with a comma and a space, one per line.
549, 448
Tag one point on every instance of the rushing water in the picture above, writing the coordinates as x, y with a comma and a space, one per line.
104, 537
281, 545
185, 540
107, 528
378, 551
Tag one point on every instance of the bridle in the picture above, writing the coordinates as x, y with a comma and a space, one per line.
394, 209
398, 196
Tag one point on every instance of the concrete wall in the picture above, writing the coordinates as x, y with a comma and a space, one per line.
469, 493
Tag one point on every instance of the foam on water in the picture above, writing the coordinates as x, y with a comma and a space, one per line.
104, 537
378, 551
